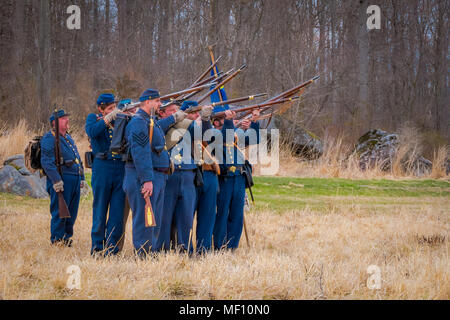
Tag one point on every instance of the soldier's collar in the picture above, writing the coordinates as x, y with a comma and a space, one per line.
52, 131
143, 114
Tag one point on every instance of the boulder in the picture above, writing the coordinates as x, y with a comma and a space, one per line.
307, 144
18, 162
12, 181
380, 147
17, 179
302, 142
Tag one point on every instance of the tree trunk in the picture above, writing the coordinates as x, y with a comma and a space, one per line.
43, 67
363, 62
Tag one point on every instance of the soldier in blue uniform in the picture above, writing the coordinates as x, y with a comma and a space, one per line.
69, 183
126, 210
230, 202
180, 193
107, 178
146, 168
207, 198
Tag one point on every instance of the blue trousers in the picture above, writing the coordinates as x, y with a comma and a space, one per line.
61, 229
206, 210
179, 206
144, 238
107, 183
230, 212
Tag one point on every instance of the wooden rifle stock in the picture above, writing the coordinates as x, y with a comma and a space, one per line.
63, 210
195, 109
206, 80
255, 106
185, 91
212, 80
293, 90
285, 94
196, 82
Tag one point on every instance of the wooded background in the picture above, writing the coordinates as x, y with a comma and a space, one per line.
368, 79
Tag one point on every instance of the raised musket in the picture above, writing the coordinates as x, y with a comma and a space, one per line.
130, 106
284, 94
255, 106
206, 72
188, 90
206, 80
149, 215
295, 89
198, 108
218, 79
222, 83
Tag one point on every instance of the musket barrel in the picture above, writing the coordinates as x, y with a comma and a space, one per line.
206, 80
223, 82
251, 97
295, 89
218, 79
206, 72
188, 90
286, 93
256, 106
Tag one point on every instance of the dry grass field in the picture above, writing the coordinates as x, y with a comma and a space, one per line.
302, 246
310, 238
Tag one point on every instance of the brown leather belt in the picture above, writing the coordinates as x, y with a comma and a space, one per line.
207, 167
163, 170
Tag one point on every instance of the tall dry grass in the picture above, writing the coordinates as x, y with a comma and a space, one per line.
408, 150
440, 159
301, 254
337, 161
14, 139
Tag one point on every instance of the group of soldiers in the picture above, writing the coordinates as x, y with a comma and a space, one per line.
153, 168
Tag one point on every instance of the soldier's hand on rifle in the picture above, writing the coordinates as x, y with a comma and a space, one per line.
111, 116
192, 115
179, 115
255, 115
58, 186
230, 114
206, 112
245, 124
147, 189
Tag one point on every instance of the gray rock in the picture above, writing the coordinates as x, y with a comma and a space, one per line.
303, 142
307, 144
380, 147
17, 162
16, 179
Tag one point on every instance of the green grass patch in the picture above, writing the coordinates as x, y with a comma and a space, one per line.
281, 193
